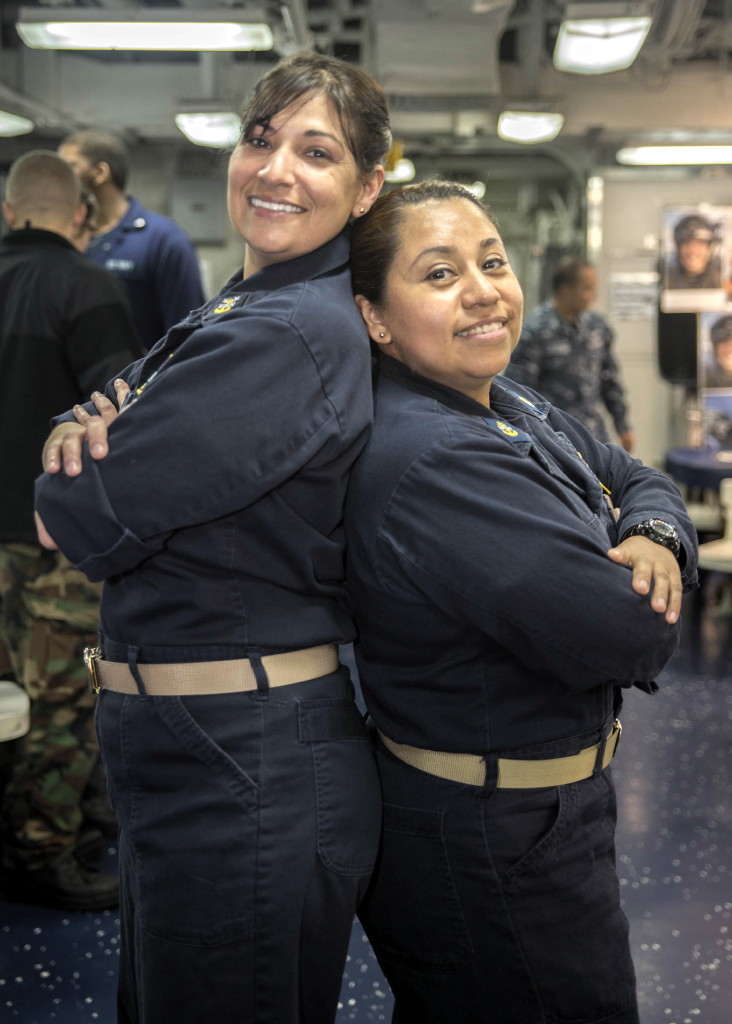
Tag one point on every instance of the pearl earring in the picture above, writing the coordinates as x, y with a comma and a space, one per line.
362, 210
381, 334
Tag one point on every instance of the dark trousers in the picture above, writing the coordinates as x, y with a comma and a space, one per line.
499, 906
249, 828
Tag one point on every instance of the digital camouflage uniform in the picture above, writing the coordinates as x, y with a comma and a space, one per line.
49, 612
572, 365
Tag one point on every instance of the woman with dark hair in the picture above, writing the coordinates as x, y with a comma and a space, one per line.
239, 766
511, 576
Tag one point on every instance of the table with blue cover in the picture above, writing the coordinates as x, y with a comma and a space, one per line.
698, 467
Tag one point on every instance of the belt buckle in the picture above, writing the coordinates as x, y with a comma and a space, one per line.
91, 656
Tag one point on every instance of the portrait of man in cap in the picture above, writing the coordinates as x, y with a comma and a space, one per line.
716, 369
693, 260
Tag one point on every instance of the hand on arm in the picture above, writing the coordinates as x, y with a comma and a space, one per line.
655, 571
63, 447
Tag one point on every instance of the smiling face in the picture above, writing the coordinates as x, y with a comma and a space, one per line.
723, 355
452, 305
694, 255
294, 184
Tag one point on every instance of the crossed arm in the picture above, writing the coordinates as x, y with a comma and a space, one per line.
655, 570
63, 446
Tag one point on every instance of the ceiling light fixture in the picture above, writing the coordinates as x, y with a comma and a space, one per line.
648, 156
596, 38
529, 126
219, 129
141, 29
14, 124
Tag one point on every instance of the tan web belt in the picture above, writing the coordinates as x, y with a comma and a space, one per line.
512, 774
200, 677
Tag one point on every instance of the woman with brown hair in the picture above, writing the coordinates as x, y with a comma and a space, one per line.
239, 766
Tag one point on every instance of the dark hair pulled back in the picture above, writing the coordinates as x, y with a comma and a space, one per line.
357, 99
376, 236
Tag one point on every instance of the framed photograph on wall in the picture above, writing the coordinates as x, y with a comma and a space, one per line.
694, 259
716, 409
715, 350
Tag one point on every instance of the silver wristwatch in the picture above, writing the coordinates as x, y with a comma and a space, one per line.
659, 532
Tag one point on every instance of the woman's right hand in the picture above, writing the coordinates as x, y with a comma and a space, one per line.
63, 447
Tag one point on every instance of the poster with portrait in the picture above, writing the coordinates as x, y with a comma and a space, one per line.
716, 409
714, 350
695, 259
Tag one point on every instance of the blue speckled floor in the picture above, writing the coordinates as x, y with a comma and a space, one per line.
674, 780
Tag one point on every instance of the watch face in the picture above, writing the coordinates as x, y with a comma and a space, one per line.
662, 529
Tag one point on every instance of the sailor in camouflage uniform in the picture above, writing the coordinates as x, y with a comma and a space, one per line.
565, 353
48, 613
65, 328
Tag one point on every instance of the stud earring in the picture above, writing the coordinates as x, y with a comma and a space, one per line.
362, 210
381, 334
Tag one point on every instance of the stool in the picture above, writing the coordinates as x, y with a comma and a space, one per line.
717, 554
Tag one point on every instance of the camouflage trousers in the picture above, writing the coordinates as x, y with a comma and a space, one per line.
49, 612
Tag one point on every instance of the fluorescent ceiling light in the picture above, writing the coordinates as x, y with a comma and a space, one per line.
402, 171
644, 156
220, 129
529, 126
14, 124
140, 29
600, 37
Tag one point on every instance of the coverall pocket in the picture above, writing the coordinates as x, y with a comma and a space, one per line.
348, 792
523, 829
557, 853
189, 810
564, 904
414, 873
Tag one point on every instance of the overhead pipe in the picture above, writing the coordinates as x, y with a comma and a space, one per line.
294, 17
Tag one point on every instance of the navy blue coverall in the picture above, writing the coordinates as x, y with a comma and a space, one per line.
492, 622
249, 821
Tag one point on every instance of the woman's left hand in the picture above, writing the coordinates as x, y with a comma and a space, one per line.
655, 571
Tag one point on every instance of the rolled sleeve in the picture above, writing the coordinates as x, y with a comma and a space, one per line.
222, 424
82, 521
522, 566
